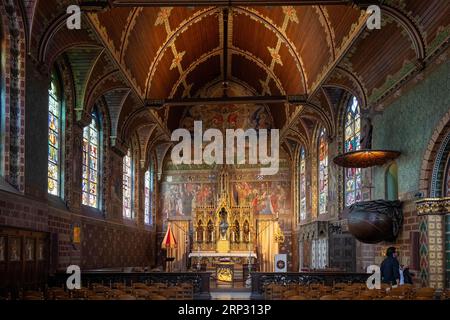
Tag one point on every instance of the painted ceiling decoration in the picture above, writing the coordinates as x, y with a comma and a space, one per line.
151, 60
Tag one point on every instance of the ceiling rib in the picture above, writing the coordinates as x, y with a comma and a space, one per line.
121, 69
226, 14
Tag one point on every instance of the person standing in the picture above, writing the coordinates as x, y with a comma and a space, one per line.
390, 268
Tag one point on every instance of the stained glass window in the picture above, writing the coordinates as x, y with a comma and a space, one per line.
302, 184
90, 183
447, 184
323, 172
54, 139
353, 183
149, 193
127, 186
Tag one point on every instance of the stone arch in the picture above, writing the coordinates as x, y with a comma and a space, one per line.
434, 159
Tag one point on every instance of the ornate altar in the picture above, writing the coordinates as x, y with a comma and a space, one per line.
225, 271
223, 230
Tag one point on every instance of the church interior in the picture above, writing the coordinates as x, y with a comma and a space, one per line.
92, 92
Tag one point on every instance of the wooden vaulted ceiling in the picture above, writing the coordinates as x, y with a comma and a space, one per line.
132, 52
174, 52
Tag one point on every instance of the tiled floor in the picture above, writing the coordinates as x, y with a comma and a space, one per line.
230, 295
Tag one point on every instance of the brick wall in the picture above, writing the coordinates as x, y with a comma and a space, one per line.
374, 254
104, 243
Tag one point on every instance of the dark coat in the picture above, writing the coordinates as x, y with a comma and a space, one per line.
407, 276
390, 270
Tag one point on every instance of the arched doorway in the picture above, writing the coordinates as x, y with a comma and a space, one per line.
440, 188
433, 210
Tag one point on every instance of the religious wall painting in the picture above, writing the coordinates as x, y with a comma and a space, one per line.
180, 199
228, 117
265, 197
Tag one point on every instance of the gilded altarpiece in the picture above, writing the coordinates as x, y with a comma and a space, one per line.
256, 210
233, 211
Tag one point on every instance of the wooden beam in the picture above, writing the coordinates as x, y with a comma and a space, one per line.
298, 99
207, 3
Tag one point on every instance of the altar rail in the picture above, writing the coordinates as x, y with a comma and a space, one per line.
199, 280
261, 279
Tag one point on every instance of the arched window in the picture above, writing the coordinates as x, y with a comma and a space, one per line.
353, 183
91, 155
127, 186
149, 193
323, 172
392, 182
54, 137
302, 185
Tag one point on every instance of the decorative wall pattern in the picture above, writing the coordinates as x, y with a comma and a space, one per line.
396, 128
103, 246
13, 78
436, 251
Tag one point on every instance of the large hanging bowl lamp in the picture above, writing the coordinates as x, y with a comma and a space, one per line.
365, 158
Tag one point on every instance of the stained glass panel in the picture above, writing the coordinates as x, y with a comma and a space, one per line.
352, 143
302, 184
53, 166
127, 186
90, 164
447, 184
147, 212
323, 172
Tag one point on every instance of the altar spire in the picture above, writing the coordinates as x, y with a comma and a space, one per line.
224, 184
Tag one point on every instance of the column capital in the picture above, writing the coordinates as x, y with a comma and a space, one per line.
433, 206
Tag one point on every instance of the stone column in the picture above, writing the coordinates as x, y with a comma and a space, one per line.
75, 199
36, 133
433, 215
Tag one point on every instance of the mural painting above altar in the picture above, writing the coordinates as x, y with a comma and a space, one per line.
228, 117
265, 198
179, 199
